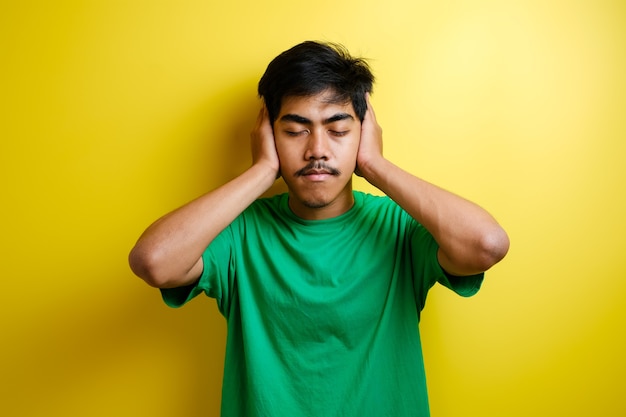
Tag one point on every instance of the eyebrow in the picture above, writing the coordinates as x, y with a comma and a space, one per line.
290, 117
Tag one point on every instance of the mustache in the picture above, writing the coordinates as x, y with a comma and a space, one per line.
316, 167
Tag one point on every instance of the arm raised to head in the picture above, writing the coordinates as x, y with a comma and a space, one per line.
169, 253
470, 239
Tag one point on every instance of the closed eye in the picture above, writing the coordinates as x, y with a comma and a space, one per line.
339, 133
296, 133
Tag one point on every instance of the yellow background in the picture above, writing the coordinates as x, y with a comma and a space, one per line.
115, 112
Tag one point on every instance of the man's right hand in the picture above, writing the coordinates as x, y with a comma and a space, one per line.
262, 142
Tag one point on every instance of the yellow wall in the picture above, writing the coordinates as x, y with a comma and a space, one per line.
114, 112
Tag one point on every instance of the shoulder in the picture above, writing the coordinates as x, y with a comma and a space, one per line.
261, 213
370, 200
380, 204
273, 204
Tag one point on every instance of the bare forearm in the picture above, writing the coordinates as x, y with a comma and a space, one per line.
169, 252
469, 238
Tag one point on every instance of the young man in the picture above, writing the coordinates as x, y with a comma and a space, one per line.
322, 287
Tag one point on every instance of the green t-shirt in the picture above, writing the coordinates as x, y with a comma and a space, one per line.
323, 315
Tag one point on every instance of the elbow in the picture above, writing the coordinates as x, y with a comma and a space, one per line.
476, 255
145, 264
494, 247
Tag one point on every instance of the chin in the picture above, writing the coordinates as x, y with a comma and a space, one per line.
313, 200
315, 204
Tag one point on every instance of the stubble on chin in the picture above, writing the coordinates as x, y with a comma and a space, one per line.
314, 204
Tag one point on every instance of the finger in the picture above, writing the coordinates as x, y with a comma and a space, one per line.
259, 118
370, 109
265, 119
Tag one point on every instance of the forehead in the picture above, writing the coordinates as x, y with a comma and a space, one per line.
316, 107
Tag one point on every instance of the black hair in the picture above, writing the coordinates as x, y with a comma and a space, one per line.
310, 68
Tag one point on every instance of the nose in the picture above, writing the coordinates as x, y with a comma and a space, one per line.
317, 146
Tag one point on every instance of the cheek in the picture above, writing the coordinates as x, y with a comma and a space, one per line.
283, 152
349, 151
289, 157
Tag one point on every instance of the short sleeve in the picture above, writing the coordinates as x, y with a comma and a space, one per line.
465, 286
427, 271
214, 281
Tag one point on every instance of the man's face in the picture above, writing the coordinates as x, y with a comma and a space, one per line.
317, 141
